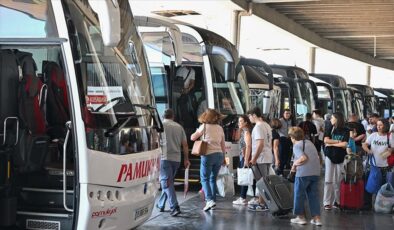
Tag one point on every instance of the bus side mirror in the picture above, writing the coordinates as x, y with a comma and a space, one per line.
109, 17
229, 66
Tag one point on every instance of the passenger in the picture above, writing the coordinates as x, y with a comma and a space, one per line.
175, 142
261, 159
376, 144
319, 123
327, 122
214, 158
336, 140
359, 131
351, 146
391, 125
245, 144
276, 125
307, 167
373, 119
227, 106
308, 127
187, 74
284, 141
365, 122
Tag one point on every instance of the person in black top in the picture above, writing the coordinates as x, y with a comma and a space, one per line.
276, 125
336, 140
354, 124
309, 128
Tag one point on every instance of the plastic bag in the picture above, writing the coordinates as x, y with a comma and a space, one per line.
186, 187
225, 185
245, 176
384, 202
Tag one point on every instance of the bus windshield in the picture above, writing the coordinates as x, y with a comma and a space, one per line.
227, 94
267, 100
304, 99
343, 102
114, 82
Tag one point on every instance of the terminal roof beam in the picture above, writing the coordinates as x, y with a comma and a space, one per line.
334, 25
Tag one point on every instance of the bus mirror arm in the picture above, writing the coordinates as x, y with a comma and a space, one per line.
261, 64
229, 66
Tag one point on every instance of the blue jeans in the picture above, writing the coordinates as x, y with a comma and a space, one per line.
167, 174
306, 187
244, 189
209, 168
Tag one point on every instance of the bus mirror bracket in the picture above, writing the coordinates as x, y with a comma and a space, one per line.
261, 64
109, 17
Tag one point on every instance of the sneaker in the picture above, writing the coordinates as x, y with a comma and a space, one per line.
316, 222
298, 220
209, 205
253, 201
160, 209
258, 208
327, 207
176, 211
240, 201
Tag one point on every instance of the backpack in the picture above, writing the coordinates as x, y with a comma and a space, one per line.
354, 169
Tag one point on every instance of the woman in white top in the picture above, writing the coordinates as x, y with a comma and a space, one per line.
212, 133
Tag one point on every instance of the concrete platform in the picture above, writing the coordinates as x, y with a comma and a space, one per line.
228, 216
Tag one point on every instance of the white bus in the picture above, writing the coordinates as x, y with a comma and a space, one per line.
80, 141
220, 81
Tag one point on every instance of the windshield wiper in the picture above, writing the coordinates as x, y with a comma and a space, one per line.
153, 111
118, 126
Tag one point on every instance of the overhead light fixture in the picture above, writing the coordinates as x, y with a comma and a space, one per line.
173, 13
277, 1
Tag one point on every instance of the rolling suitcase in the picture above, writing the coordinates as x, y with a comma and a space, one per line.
277, 194
352, 195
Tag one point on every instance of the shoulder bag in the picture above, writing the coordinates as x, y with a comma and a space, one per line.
200, 146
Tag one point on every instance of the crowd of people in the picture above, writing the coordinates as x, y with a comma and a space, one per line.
301, 149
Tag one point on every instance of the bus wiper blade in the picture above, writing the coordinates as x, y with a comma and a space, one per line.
118, 126
153, 111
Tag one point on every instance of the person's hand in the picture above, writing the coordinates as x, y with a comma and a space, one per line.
277, 163
253, 161
246, 164
186, 164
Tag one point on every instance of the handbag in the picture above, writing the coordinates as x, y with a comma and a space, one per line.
200, 146
245, 176
334, 154
375, 177
390, 154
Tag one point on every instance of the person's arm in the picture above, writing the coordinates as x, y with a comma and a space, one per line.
365, 147
199, 132
359, 137
300, 161
185, 149
248, 148
276, 152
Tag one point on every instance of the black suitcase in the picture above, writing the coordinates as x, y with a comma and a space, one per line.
277, 194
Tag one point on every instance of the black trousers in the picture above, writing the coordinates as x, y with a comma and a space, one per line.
285, 153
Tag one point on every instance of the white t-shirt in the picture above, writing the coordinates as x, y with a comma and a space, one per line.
391, 128
378, 145
214, 135
319, 123
184, 72
262, 131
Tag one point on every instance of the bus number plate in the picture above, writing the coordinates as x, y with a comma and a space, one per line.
141, 212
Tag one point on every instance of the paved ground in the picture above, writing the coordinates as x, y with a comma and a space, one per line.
229, 216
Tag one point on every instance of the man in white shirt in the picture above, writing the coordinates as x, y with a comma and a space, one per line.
261, 153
